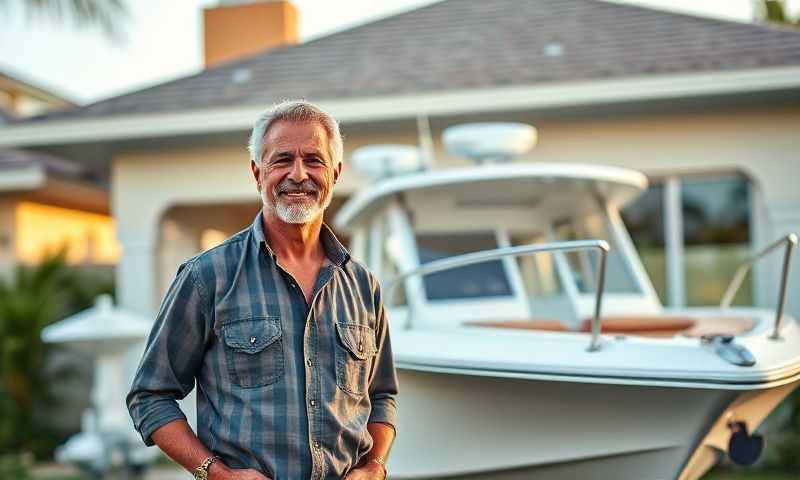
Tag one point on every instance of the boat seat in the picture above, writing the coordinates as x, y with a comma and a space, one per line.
647, 326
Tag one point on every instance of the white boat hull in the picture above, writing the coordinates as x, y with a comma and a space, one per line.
467, 426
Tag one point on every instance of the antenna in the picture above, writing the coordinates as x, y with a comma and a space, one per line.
425, 140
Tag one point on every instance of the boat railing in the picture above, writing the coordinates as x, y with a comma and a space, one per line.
457, 261
790, 242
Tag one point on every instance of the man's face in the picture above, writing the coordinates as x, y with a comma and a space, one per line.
296, 174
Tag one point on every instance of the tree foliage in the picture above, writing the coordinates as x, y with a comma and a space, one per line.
31, 299
776, 11
109, 15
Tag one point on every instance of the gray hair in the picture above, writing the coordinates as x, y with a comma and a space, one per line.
295, 111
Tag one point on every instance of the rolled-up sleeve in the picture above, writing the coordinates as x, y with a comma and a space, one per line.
383, 389
172, 356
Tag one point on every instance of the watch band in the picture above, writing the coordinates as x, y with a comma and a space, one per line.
201, 472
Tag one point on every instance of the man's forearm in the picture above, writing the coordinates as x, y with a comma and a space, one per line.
382, 439
180, 443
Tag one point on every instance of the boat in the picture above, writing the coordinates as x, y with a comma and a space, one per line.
528, 339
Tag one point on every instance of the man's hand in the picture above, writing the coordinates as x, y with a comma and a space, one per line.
220, 471
368, 471
382, 436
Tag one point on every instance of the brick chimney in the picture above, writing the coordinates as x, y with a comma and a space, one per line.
235, 29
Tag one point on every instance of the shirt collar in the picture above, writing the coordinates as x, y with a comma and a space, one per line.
334, 250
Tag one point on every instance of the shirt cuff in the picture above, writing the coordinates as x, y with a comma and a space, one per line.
161, 414
384, 411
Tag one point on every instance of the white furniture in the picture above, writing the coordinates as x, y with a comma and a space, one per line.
107, 438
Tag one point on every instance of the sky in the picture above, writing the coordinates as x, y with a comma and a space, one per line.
163, 40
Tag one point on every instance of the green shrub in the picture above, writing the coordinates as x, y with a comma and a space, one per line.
787, 445
14, 466
34, 297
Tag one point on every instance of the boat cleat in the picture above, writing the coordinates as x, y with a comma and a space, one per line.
730, 351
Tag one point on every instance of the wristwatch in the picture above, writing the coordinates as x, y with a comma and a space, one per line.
380, 461
201, 472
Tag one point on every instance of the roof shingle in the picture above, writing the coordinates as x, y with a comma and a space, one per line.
470, 44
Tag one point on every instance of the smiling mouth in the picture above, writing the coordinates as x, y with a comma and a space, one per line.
298, 195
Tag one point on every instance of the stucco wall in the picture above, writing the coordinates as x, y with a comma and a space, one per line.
762, 144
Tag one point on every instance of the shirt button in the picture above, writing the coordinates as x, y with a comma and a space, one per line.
316, 444
309, 362
313, 402
360, 347
252, 339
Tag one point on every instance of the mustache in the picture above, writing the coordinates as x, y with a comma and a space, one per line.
289, 186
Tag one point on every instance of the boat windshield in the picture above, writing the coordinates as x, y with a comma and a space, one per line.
584, 264
486, 279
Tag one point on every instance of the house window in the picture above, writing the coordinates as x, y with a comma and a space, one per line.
716, 236
42, 230
210, 238
692, 232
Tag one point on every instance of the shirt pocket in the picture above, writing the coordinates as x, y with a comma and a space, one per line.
355, 351
254, 351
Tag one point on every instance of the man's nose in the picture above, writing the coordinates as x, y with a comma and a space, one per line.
298, 172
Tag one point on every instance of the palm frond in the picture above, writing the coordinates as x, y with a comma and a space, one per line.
775, 11
109, 15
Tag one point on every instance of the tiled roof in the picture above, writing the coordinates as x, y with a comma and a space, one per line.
12, 159
472, 44
15, 82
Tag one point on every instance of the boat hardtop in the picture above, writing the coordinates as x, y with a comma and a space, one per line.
553, 188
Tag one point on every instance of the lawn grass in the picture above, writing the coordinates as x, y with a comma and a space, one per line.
727, 473
58, 477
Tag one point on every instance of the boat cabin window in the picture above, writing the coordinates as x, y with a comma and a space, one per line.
584, 264
486, 279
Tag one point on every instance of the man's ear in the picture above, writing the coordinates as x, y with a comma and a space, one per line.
337, 170
256, 174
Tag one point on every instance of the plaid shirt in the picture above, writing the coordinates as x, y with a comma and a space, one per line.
283, 387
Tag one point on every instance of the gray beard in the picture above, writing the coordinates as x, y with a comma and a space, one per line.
294, 213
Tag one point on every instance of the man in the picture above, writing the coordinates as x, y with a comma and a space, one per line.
285, 335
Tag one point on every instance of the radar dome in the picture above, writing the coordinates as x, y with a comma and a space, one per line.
381, 161
490, 142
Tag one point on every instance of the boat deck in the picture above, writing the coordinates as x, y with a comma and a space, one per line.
646, 326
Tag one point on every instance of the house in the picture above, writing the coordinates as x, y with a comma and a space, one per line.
21, 98
708, 109
46, 201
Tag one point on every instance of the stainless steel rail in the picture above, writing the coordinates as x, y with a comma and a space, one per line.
791, 242
494, 254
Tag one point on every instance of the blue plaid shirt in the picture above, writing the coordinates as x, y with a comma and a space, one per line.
283, 387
